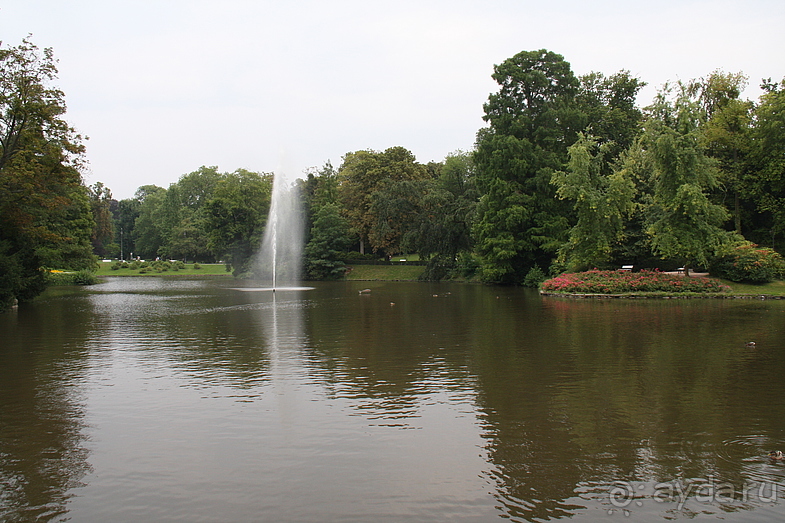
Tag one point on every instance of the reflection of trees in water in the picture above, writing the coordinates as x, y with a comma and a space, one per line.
42, 453
532, 463
388, 359
585, 393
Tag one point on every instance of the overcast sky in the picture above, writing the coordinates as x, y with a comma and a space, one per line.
163, 87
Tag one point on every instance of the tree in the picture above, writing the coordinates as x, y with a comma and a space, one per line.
765, 181
43, 214
682, 222
124, 222
533, 119
148, 234
235, 216
181, 215
602, 202
726, 131
319, 187
103, 230
441, 229
361, 174
611, 114
330, 239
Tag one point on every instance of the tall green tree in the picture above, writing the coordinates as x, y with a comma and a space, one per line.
103, 229
329, 240
148, 233
726, 131
319, 187
42, 198
682, 222
441, 227
602, 203
611, 113
124, 222
235, 216
533, 119
182, 215
765, 181
362, 174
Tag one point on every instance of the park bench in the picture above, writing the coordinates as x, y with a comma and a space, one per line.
626, 268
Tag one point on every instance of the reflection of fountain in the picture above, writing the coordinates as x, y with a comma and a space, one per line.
280, 257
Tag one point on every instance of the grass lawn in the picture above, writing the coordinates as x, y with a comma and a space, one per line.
206, 269
385, 272
359, 272
776, 288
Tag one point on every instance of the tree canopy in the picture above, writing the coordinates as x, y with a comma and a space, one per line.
45, 216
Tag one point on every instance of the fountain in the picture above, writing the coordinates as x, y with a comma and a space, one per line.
279, 259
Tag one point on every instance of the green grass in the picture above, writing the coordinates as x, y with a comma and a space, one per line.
776, 288
207, 269
385, 272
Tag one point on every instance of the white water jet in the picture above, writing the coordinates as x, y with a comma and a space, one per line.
279, 260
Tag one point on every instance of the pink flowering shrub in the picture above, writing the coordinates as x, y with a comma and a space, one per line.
622, 282
747, 262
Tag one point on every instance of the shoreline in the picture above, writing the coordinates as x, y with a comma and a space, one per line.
639, 296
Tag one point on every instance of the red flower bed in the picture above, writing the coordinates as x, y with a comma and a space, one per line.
623, 282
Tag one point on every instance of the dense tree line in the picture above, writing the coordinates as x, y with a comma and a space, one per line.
569, 173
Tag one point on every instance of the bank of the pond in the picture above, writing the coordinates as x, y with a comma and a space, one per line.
620, 284
187, 270
665, 296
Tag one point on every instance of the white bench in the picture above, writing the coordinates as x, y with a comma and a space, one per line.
626, 268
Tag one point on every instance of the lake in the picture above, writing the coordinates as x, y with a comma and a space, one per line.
162, 399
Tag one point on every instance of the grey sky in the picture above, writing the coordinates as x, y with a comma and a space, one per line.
162, 87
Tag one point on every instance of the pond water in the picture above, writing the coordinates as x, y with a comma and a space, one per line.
153, 399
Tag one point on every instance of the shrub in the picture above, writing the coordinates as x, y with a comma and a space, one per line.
534, 277
197, 266
135, 265
161, 265
84, 277
116, 266
623, 282
747, 262
468, 265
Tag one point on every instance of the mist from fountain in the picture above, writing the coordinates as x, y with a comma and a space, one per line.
279, 260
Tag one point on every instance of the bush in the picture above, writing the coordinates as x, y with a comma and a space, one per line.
534, 277
83, 277
161, 265
197, 266
468, 265
135, 265
746, 262
116, 266
623, 282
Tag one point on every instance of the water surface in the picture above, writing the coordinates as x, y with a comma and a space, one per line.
165, 399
